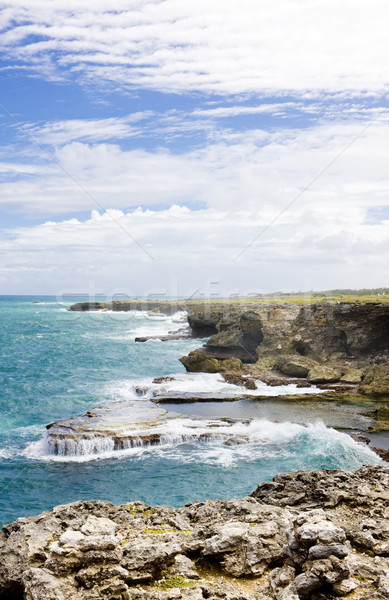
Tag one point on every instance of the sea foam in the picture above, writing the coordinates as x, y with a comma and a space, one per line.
211, 441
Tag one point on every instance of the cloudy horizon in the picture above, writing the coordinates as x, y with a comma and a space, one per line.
167, 147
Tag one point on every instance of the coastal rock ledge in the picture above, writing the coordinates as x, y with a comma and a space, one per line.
305, 535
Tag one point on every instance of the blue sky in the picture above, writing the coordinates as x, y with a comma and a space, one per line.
166, 147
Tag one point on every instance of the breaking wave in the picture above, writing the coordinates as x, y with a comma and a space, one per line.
218, 442
196, 385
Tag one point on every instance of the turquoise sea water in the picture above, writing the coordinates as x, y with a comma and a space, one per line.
55, 364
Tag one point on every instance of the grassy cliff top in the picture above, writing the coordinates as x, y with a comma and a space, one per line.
363, 296
346, 295
302, 299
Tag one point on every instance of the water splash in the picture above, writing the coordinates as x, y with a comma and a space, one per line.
220, 443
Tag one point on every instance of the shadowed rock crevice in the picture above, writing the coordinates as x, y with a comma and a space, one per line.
14, 591
302, 348
201, 330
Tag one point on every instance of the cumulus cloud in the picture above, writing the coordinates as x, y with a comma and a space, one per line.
225, 47
222, 188
187, 250
329, 237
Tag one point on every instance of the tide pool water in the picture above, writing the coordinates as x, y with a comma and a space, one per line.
56, 364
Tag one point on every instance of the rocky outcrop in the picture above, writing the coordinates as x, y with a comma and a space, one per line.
325, 488
239, 335
240, 380
347, 328
198, 362
118, 426
317, 330
323, 342
294, 365
246, 330
154, 306
108, 427
163, 338
205, 317
381, 422
352, 375
376, 382
317, 535
324, 374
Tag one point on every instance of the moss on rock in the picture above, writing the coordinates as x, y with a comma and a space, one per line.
294, 366
376, 382
324, 374
231, 364
198, 362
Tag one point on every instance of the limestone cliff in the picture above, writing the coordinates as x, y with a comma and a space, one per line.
318, 330
324, 343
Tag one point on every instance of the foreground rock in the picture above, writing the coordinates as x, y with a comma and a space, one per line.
317, 535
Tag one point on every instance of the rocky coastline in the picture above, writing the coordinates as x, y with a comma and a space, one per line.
322, 342
305, 535
342, 347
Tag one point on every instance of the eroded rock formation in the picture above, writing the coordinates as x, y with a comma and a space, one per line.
317, 535
317, 331
346, 344
250, 331
324, 343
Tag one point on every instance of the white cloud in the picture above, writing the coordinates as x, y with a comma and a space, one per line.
253, 170
326, 239
276, 108
227, 47
306, 49
7, 168
58, 133
192, 248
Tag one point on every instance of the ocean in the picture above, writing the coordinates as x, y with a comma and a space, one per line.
56, 364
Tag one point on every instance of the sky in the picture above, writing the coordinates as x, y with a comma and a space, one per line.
187, 147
